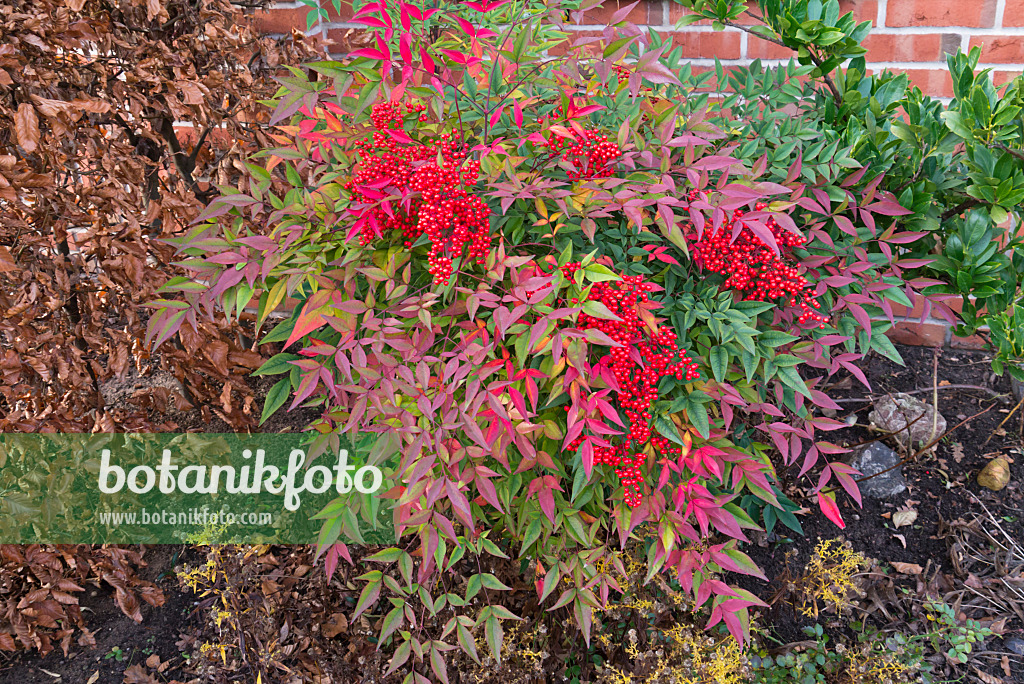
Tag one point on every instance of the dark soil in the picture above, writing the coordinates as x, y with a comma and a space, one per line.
156, 634
941, 486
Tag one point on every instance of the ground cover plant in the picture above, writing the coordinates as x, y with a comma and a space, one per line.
572, 311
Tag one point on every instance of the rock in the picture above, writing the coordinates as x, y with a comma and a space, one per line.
875, 458
1016, 645
894, 413
995, 475
1018, 388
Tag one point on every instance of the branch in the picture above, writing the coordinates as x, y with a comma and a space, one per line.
814, 58
1009, 150
958, 209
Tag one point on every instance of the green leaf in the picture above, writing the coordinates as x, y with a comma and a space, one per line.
719, 360
495, 635
599, 310
276, 398
369, 596
392, 621
492, 582
791, 378
466, 641
533, 531
698, 415
667, 428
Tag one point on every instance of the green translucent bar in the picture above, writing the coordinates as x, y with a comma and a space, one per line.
171, 488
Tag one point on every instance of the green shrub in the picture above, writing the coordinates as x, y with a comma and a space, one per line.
575, 311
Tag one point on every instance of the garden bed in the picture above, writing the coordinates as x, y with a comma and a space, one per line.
942, 489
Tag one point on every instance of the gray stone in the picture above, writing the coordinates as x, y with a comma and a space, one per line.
894, 413
1016, 645
876, 458
1018, 388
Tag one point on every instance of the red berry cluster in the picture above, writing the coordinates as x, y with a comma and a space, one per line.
753, 268
644, 358
591, 153
445, 211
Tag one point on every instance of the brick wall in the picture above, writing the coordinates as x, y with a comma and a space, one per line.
911, 36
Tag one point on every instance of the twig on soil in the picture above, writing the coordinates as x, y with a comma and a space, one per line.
917, 453
872, 397
1008, 416
935, 393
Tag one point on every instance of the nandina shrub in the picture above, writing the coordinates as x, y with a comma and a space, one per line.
565, 323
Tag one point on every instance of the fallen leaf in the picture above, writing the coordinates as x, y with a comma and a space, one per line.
136, 675
987, 678
908, 568
93, 678
958, 451
903, 540
1005, 663
904, 517
335, 625
6, 260
153, 661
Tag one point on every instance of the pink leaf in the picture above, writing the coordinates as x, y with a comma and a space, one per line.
368, 52
404, 47
827, 502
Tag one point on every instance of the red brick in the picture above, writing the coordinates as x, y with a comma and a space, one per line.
758, 48
1000, 49
1001, 78
927, 334
972, 342
344, 40
863, 10
708, 44
676, 12
593, 47
332, 15
281, 20
900, 311
935, 82
638, 15
1014, 14
979, 13
923, 47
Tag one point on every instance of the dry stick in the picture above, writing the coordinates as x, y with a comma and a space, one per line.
871, 397
917, 453
1008, 417
935, 394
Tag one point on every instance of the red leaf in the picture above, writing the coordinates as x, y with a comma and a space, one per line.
827, 502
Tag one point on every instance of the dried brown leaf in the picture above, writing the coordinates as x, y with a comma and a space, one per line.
908, 568
192, 92
136, 675
7, 264
26, 127
335, 625
987, 678
958, 451
904, 517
